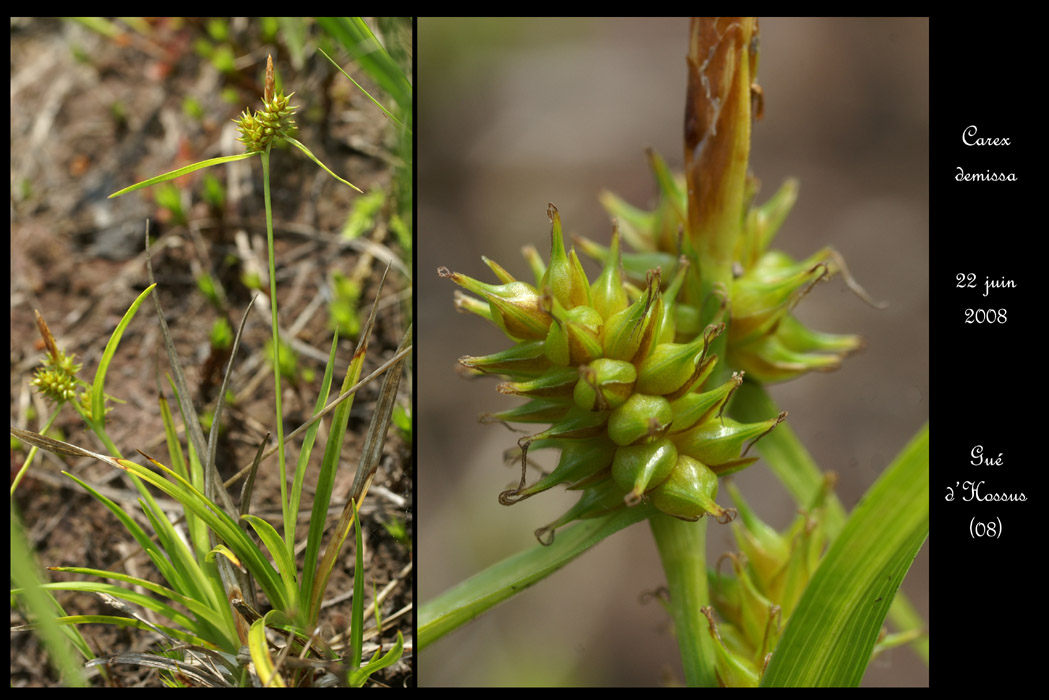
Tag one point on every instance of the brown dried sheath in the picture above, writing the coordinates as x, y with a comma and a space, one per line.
268, 95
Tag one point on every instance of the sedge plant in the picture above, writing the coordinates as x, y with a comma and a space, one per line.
208, 608
648, 380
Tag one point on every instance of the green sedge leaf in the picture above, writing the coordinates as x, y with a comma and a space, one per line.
155, 554
317, 161
224, 551
97, 396
225, 528
830, 636
472, 597
183, 171
131, 622
358, 677
377, 103
326, 478
260, 655
359, 40
285, 564
308, 441
190, 577
131, 596
357, 622
44, 609
201, 610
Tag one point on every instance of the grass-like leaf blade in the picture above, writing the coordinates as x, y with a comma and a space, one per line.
377, 103
225, 528
357, 38
203, 611
131, 622
357, 611
326, 479
829, 638
42, 606
481, 592
316, 160
260, 654
285, 564
97, 396
307, 444
183, 171
358, 677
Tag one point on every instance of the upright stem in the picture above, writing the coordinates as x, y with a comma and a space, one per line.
682, 549
289, 517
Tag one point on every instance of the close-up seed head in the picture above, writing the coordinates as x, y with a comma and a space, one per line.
628, 403
273, 123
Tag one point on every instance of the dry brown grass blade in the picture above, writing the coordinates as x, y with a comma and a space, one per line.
373, 441
59, 447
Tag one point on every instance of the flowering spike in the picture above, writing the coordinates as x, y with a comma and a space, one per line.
642, 418
629, 333
574, 336
696, 408
268, 94
723, 444
637, 466
556, 382
758, 305
768, 577
632, 222
673, 217
581, 459
49, 340
504, 276
273, 123
564, 277
56, 379
732, 670
619, 386
599, 500
535, 411
524, 359
689, 491
604, 384
672, 368
717, 137
535, 261
515, 307
608, 294
764, 222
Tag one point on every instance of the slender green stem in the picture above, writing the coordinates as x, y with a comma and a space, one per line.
289, 517
682, 549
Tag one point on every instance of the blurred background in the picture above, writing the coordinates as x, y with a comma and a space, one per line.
518, 113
